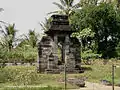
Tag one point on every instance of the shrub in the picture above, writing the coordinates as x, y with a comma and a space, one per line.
4, 76
25, 75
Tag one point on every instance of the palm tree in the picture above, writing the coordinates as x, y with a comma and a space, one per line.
8, 38
66, 7
32, 38
45, 25
1, 22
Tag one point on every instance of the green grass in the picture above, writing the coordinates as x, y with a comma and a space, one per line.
32, 88
27, 76
98, 71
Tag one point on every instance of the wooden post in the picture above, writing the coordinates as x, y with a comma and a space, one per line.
113, 77
65, 71
65, 77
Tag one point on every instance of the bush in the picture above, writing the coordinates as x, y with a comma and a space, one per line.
19, 75
20, 54
4, 76
25, 75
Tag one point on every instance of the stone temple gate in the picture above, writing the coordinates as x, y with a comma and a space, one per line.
57, 47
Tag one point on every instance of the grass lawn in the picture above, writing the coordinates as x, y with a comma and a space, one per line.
27, 76
100, 71
31, 88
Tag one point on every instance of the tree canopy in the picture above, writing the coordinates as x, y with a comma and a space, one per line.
103, 20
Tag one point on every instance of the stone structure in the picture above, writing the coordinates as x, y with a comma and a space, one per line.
58, 47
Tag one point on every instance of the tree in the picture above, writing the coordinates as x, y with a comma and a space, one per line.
9, 36
86, 37
103, 20
85, 3
118, 49
106, 26
1, 9
32, 38
66, 7
89, 2
46, 25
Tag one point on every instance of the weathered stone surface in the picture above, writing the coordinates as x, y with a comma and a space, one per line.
59, 33
76, 81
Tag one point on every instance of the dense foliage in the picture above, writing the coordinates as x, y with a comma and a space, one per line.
97, 26
18, 49
104, 21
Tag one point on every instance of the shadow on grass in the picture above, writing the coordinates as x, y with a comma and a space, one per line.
86, 68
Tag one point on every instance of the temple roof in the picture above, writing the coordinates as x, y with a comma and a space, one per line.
59, 24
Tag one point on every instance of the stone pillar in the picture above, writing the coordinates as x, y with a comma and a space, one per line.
66, 52
55, 50
70, 58
39, 58
55, 46
66, 48
63, 53
78, 53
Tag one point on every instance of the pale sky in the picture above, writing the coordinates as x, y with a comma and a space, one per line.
26, 14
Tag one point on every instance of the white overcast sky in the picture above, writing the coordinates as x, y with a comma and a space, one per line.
26, 13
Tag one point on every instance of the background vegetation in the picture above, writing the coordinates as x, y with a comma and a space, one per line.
97, 26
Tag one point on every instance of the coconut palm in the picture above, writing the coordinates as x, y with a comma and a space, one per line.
66, 7
8, 36
31, 38
1, 9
